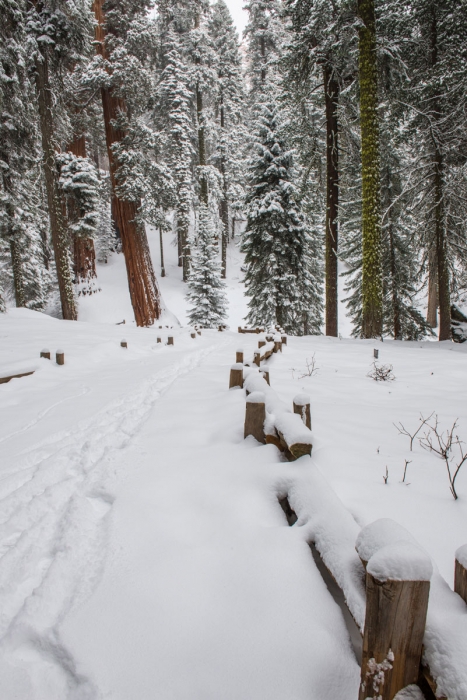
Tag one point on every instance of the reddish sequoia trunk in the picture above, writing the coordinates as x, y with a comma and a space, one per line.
144, 291
84, 254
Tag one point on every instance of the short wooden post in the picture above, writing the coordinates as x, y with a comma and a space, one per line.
239, 356
277, 346
45, 353
265, 373
284, 339
123, 343
193, 335
394, 628
159, 340
375, 354
261, 343
220, 329
257, 330
236, 375
257, 358
170, 340
301, 405
198, 332
60, 357
255, 415
240, 329
460, 573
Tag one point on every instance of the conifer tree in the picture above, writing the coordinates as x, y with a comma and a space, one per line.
279, 279
206, 287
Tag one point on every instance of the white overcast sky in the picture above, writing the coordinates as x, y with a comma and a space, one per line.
239, 15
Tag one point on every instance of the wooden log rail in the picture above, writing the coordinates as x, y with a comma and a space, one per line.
251, 330
286, 430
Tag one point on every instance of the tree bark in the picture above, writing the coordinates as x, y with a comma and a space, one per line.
162, 252
58, 226
18, 281
331, 92
144, 292
84, 254
432, 311
16, 263
224, 201
372, 296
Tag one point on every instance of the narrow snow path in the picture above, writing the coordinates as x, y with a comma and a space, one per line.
206, 593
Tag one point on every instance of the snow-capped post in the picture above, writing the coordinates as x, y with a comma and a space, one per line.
45, 353
123, 343
193, 335
159, 340
261, 343
170, 340
265, 373
277, 344
284, 339
236, 375
398, 574
239, 355
198, 332
60, 357
255, 415
257, 358
375, 353
301, 405
460, 573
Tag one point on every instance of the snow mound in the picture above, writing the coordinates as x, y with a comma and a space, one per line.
401, 561
412, 692
461, 555
378, 534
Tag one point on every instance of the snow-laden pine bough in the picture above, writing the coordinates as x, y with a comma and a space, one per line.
413, 625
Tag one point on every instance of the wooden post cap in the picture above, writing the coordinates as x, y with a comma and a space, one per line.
255, 415
460, 573
60, 357
123, 343
301, 406
236, 375
45, 353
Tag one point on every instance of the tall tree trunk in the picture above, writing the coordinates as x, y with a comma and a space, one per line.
16, 263
162, 252
396, 312
372, 296
331, 92
440, 242
144, 292
84, 254
224, 201
18, 280
58, 226
433, 303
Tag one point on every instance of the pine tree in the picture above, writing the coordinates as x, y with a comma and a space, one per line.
206, 287
229, 101
280, 281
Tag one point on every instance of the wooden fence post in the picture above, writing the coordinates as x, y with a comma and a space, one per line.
277, 346
257, 358
193, 335
301, 405
170, 340
395, 620
255, 415
265, 373
60, 357
460, 573
261, 343
45, 353
236, 376
123, 343
239, 356
240, 329
284, 339
198, 332
159, 340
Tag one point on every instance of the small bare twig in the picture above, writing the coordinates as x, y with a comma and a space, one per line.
381, 373
444, 444
386, 476
403, 430
311, 368
405, 469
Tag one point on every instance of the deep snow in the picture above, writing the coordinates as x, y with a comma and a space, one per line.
143, 552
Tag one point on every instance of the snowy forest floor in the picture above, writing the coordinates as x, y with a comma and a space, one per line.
143, 552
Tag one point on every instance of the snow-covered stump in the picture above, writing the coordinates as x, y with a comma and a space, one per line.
60, 357
170, 340
398, 574
255, 415
301, 406
45, 353
236, 375
239, 356
123, 344
460, 572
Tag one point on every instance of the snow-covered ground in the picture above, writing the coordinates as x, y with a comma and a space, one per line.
143, 552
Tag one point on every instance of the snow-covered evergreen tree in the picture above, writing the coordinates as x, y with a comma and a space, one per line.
282, 278
206, 287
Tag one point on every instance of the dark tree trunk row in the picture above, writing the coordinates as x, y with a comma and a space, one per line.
331, 92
